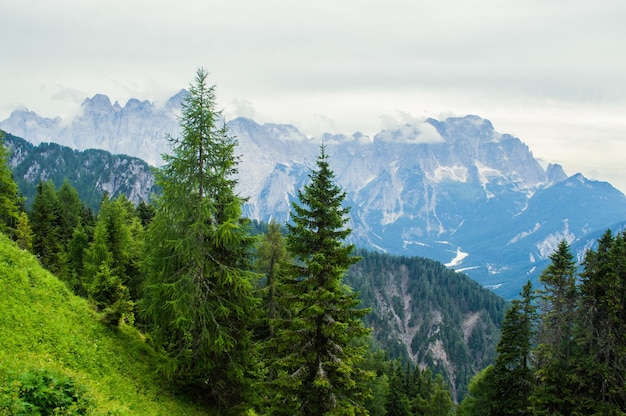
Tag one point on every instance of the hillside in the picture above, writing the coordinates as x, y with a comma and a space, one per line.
437, 317
50, 336
92, 172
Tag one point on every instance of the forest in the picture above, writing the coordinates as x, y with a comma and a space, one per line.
265, 319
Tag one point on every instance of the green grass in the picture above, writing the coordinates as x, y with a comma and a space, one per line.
45, 329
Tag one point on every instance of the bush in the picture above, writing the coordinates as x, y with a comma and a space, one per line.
43, 392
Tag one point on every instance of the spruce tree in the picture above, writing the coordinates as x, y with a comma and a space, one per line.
271, 258
397, 401
557, 301
45, 221
317, 365
512, 377
601, 333
199, 289
9, 193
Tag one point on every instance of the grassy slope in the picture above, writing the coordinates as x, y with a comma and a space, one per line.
44, 326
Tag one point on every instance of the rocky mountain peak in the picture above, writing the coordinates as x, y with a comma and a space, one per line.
555, 174
453, 190
99, 104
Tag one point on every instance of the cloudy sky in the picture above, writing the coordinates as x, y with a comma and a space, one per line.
550, 72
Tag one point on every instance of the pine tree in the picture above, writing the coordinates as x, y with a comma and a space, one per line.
199, 290
70, 211
601, 335
9, 193
271, 259
397, 403
317, 368
45, 221
512, 377
554, 392
441, 403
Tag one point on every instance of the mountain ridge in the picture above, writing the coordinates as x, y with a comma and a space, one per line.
453, 190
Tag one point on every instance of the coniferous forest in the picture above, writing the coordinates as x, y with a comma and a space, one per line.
233, 317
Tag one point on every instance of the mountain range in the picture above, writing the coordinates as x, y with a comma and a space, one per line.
454, 190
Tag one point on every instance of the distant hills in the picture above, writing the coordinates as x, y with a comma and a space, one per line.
92, 172
453, 190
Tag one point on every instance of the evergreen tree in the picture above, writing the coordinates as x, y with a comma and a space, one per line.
480, 399
512, 377
601, 336
441, 403
77, 251
9, 193
70, 210
397, 403
45, 220
144, 212
23, 233
271, 259
199, 290
318, 372
554, 393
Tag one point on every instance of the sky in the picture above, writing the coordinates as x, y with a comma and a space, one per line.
550, 72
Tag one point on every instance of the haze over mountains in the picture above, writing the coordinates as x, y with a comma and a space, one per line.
453, 190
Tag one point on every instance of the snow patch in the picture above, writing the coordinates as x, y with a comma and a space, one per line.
458, 259
407, 243
453, 173
524, 234
493, 287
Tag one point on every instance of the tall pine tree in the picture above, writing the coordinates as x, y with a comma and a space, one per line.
198, 293
9, 193
317, 365
601, 334
554, 393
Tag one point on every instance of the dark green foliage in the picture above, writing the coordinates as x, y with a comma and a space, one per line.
87, 170
554, 393
145, 213
199, 291
46, 222
480, 398
397, 402
9, 193
271, 261
577, 343
512, 377
317, 369
435, 305
601, 336
111, 297
505, 387
44, 392
117, 243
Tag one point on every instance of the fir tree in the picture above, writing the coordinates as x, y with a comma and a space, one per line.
271, 259
397, 403
512, 377
9, 193
45, 221
601, 334
317, 368
554, 393
199, 290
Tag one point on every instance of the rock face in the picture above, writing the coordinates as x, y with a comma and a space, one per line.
455, 190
